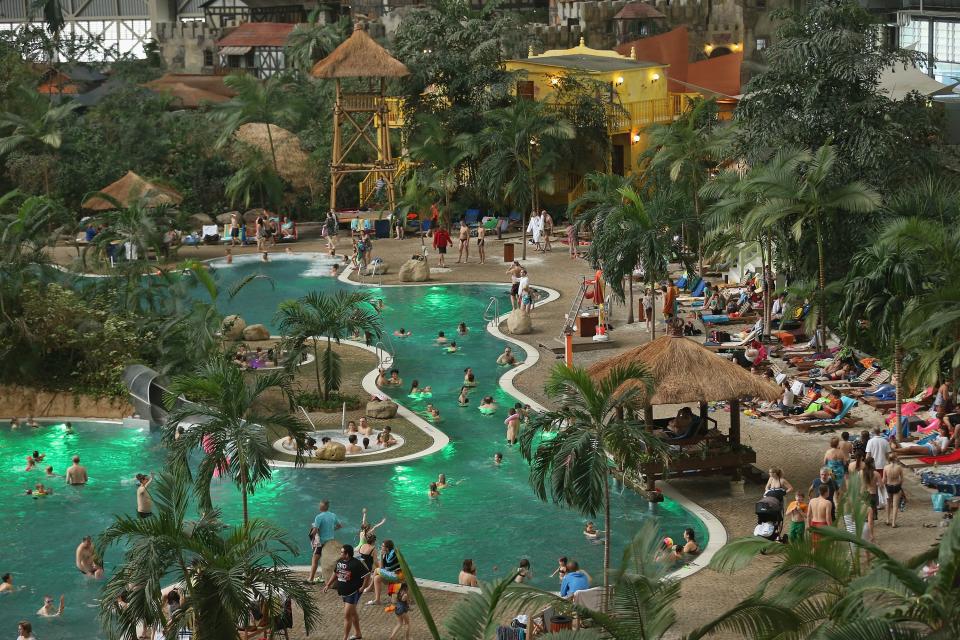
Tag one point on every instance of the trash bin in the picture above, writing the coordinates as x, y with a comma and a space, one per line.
559, 623
508, 252
382, 227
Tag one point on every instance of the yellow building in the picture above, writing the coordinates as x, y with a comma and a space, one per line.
639, 97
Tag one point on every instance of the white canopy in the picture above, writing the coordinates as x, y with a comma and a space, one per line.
897, 82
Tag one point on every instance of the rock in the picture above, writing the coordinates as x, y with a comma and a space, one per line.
415, 271
381, 409
200, 219
377, 268
518, 322
332, 451
256, 332
232, 327
328, 559
250, 215
224, 218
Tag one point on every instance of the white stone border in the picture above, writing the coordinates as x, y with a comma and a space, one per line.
336, 433
423, 582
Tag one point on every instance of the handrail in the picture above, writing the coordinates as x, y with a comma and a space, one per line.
492, 317
307, 416
384, 357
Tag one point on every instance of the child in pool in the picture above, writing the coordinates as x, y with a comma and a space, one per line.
452, 348
427, 392
498, 459
434, 492
468, 378
434, 413
462, 329
463, 400
591, 532
488, 406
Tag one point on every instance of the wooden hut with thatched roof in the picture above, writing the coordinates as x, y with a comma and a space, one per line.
363, 113
684, 372
128, 190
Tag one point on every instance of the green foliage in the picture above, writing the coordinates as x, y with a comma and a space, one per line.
255, 181
311, 41
221, 572
333, 403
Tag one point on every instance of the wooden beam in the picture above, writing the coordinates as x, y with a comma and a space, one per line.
735, 422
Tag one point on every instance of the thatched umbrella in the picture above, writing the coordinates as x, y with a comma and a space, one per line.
685, 371
184, 96
130, 188
293, 163
359, 56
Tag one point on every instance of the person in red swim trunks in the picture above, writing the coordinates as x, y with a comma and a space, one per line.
820, 512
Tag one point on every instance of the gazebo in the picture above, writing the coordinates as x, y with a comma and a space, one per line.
363, 113
685, 372
130, 188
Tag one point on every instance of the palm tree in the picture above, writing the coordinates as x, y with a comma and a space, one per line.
311, 41
137, 226
255, 180
600, 198
797, 188
642, 605
636, 233
256, 101
336, 317
573, 466
229, 425
441, 157
520, 145
36, 127
220, 572
687, 149
884, 284
416, 196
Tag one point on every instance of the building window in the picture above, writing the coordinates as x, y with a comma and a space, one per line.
761, 43
234, 61
207, 58
525, 89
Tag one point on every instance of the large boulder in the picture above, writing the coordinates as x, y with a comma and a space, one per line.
332, 451
381, 409
518, 322
415, 271
225, 218
328, 559
232, 327
256, 332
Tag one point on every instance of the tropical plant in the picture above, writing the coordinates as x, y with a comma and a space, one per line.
36, 128
520, 145
138, 227
687, 150
585, 437
637, 233
416, 196
255, 180
798, 189
311, 41
600, 198
221, 572
305, 321
441, 158
230, 426
257, 101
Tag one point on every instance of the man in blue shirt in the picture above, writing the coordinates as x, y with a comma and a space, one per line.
324, 525
574, 581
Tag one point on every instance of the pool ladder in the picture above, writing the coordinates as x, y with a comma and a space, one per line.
491, 314
385, 352
307, 416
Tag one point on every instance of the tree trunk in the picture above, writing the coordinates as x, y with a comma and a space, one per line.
630, 318
606, 537
273, 152
898, 385
326, 383
653, 311
821, 285
316, 365
243, 493
699, 229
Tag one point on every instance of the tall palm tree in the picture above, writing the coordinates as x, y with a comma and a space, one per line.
257, 101
441, 157
304, 321
220, 572
520, 145
416, 196
311, 41
573, 467
229, 426
255, 180
884, 284
36, 127
600, 197
687, 149
799, 190
635, 233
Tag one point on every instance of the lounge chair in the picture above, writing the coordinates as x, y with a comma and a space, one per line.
867, 379
923, 399
841, 419
735, 344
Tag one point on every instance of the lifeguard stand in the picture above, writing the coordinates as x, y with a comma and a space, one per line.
361, 118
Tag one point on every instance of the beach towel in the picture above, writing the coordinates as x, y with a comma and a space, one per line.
945, 458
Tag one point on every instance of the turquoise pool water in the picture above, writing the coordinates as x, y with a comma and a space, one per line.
491, 516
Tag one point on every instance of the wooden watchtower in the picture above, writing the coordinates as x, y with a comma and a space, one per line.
360, 117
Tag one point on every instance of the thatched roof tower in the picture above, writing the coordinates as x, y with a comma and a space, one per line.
359, 56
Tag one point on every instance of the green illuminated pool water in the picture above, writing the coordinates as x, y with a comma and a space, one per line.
491, 516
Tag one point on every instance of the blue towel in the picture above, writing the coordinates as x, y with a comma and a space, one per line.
720, 319
698, 290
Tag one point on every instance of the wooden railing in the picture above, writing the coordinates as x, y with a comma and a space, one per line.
369, 183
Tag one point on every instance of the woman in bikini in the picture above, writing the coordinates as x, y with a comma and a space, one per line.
777, 485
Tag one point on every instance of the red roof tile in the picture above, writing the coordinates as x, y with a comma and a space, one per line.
257, 34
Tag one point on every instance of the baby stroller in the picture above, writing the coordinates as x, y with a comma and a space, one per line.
769, 511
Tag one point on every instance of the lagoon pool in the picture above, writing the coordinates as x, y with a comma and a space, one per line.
489, 515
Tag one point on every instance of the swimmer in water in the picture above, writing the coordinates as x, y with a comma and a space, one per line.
48, 610
394, 378
487, 405
463, 400
38, 457
335, 269
434, 413
402, 333
86, 560
453, 347
469, 380
441, 481
441, 338
434, 492
497, 459
591, 532
31, 463
427, 391
50, 473
414, 388
462, 329
68, 428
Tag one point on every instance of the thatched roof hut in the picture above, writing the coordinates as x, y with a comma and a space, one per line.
293, 163
128, 190
359, 56
685, 371
189, 91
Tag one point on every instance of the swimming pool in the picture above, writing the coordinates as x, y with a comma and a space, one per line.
490, 515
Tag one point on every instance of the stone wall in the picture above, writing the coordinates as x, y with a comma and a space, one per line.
27, 401
182, 44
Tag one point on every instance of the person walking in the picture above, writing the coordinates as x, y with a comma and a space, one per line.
324, 525
441, 240
349, 574
547, 226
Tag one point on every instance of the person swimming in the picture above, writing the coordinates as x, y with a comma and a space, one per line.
591, 532
38, 457
453, 347
31, 463
402, 333
441, 481
394, 378
414, 389
469, 380
441, 338
487, 406
462, 399
462, 328
68, 428
433, 412
497, 459
434, 492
